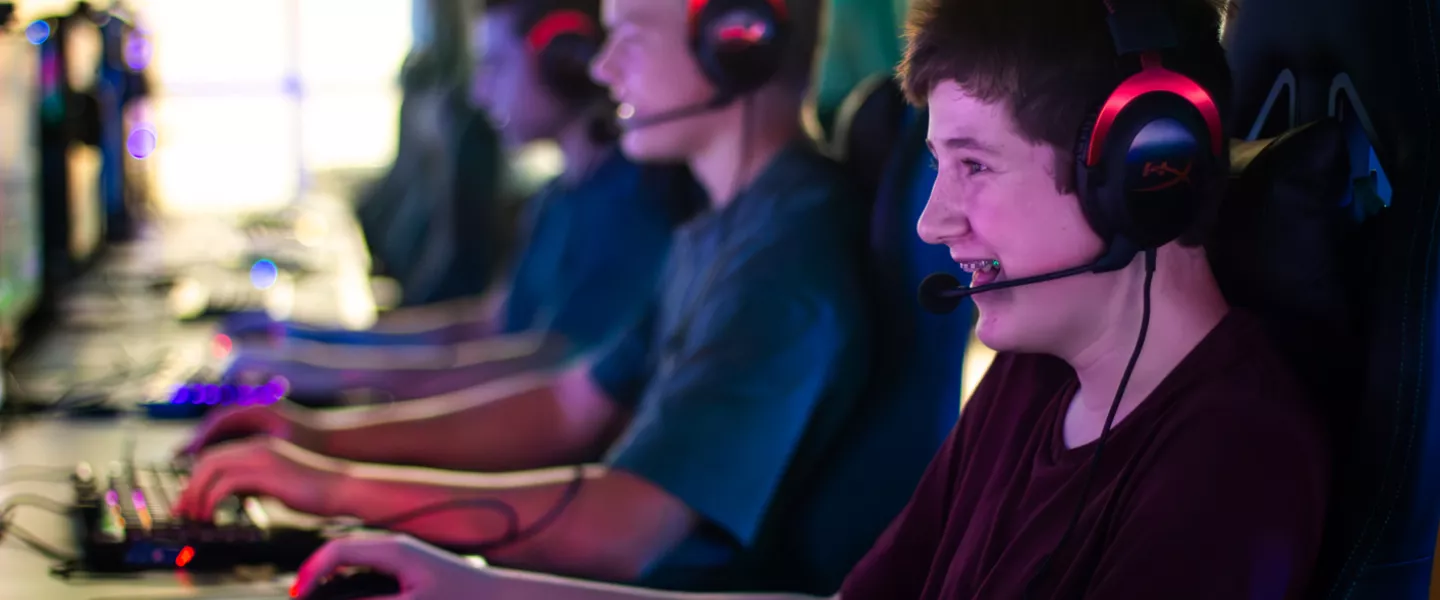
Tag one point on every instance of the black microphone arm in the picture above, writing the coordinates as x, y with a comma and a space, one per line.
637, 121
940, 293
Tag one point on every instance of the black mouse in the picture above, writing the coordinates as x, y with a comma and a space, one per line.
360, 584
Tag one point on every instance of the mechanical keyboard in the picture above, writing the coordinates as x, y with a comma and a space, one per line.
127, 525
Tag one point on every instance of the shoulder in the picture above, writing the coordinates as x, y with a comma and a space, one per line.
1243, 414
809, 180
1243, 374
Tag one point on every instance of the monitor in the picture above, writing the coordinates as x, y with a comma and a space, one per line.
20, 247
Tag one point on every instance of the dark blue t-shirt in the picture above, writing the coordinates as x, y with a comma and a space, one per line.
746, 366
595, 249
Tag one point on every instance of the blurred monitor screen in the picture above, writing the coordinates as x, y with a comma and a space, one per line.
19, 183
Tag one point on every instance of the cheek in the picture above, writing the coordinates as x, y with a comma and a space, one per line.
667, 78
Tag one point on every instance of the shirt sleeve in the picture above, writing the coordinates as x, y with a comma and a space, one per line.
1249, 506
729, 406
613, 280
624, 369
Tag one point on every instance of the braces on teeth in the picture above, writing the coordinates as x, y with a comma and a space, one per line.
977, 266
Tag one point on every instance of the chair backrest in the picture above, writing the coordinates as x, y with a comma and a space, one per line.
913, 398
868, 129
1375, 66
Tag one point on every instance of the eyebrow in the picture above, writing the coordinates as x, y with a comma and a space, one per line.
964, 143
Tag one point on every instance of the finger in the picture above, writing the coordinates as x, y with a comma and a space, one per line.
380, 553
212, 466
238, 482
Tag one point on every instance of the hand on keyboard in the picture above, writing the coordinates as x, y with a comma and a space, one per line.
302, 480
289, 423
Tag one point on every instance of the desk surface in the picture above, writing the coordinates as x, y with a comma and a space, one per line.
25, 575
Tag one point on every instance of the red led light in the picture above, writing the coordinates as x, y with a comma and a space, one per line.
186, 555
222, 345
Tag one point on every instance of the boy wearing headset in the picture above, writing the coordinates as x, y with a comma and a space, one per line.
593, 240
1213, 475
686, 441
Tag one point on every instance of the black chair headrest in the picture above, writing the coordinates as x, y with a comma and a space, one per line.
1284, 241
868, 128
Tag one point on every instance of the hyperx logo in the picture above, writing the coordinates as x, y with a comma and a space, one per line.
1172, 176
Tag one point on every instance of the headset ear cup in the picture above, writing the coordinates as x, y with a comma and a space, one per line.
740, 44
1153, 171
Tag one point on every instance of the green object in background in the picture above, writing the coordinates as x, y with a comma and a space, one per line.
864, 37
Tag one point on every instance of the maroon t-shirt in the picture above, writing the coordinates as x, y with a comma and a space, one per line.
1214, 487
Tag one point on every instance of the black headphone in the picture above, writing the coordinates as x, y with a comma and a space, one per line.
1149, 158
740, 44
564, 42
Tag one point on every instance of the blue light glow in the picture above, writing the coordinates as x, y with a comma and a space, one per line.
263, 273
38, 32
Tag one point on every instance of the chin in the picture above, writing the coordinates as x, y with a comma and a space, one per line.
996, 330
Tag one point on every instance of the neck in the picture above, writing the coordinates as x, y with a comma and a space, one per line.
1186, 305
579, 150
749, 135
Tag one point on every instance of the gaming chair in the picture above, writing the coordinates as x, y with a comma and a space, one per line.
1374, 67
915, 378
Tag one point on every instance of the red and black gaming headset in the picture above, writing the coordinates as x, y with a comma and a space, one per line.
563, 43
740, 44
1149, 159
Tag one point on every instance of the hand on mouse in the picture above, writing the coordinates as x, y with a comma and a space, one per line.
424, 572
284, 421
300, 479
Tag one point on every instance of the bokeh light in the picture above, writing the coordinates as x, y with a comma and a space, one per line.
141, 143
138, 52
263, 273
38, 32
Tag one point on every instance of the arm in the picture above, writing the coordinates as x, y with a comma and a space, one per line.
426, 573
454, 320
516, 423
583, 521
613, 528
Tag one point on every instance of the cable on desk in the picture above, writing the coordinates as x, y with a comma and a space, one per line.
8, 527
35, 474
32, 501
92, 393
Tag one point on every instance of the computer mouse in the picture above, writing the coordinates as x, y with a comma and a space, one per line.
360, 584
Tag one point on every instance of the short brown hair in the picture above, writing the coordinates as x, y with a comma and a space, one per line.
1051, 61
